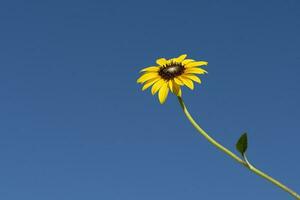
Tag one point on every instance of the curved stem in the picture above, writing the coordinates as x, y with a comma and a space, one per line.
234, 156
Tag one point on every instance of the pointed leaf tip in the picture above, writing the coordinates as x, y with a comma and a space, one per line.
242, 144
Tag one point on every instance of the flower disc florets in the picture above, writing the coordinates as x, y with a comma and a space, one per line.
170, 71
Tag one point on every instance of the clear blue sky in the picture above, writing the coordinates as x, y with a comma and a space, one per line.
75, 125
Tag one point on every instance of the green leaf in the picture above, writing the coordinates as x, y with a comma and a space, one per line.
242, 144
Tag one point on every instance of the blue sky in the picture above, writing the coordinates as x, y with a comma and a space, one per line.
75, 125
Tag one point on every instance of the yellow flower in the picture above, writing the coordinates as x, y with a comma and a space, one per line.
170, 75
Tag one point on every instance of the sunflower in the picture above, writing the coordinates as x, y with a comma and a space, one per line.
170, 75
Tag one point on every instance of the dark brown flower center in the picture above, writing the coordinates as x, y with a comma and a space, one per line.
171, 70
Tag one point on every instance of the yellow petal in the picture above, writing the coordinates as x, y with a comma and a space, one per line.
195, 70
149, 83
196, 64
161, 61
170, 61
150, 69
192, 77
176, 89
179, 82
186, 61
147, 76
156, 86
163, 93
170, 82
187, 82
180, 58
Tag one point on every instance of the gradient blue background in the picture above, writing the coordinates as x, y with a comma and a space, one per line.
75, 125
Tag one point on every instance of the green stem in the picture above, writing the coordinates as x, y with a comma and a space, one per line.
234, 156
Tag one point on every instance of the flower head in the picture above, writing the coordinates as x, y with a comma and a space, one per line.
170, 75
